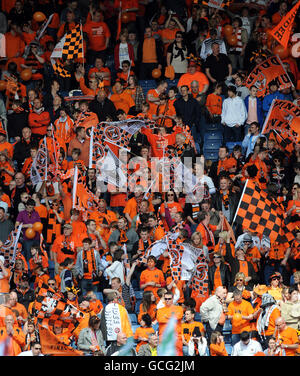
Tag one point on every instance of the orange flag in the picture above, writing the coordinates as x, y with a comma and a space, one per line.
51, 345
228, 228
282, 31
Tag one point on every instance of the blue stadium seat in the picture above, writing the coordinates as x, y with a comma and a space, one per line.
231, 145
227, 327
197, 317
138, 294
212, 145
213, 136
134, 328
228, 349
213, 127
172, 82
133, 318
211, 154
99, 296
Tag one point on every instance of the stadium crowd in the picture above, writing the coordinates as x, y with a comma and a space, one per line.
180, 67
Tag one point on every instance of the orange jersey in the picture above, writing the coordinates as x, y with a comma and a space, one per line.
245, 309
154, 275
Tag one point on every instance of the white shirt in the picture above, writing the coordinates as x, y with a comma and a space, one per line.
233, 112
28, 353
240, 349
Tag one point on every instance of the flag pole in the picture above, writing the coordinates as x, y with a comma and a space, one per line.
91, 148
82, 50
267, 118
75, 186
245, 186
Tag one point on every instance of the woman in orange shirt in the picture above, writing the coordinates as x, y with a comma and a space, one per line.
6, 170
142, 332
68, 25
173, 206
148, 306
217, 345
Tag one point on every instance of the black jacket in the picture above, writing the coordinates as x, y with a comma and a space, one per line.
233, 203
225, 276
22, 151
26, 298
103, 109
235, 268
15, 123
189, 110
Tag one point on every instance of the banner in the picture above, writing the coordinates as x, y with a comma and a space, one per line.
39, 167
51, 308
282, 31
256, 212
283, 117
10, 248
110, 170
51, 345
269, 70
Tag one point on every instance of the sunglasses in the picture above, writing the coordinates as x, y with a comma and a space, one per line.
240, 280
278, 278
170, 194
168, 298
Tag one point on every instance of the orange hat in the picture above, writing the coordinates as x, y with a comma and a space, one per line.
230, 163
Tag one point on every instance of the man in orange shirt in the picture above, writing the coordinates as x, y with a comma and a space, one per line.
9, 330
240, 312
153, 96
194, 75
164, 315
5, 146
287, 337
152, 278
132, 206
121, 99
98, 36
64, 246
38, 119
100, 71
189, 328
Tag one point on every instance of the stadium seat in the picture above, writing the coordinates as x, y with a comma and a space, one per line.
197, 317
99, 296
213, 127
212, 145
211, 154
133, 318
227, 327
231, 145
213, 136
172, 82
228, 349
134, 327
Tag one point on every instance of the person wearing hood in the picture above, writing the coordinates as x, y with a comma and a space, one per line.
265, 323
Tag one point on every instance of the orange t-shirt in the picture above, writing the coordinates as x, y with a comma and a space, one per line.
143, 333
170, 35
163, 317
217, 349
4, 283
155, 275
245, 309
131, 208
289, 337
188, 328
97, 33
7, 148
153, 106
151, 312
271, 328
14, 45
214, 104
101, 70
122, 101
187, 78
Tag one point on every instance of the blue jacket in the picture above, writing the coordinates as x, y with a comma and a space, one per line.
259, 108
267, 101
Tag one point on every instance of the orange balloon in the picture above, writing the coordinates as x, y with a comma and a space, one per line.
281, 51
26, 74
2, 85
232, 40
156, 73
228, 29
30, 233
125, 18
39, 17
38, 226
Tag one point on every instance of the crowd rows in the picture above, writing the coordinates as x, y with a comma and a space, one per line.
94, 257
